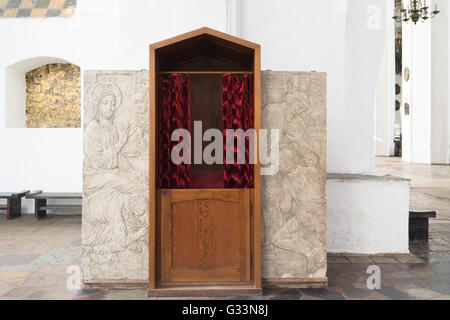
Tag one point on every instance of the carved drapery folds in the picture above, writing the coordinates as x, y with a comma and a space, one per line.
294, 200
115, 183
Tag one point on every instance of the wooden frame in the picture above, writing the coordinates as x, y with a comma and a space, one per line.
245, 289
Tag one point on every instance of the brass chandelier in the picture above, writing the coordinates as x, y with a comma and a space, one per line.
417, 10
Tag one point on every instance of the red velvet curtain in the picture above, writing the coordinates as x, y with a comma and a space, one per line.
237, 104
174, 113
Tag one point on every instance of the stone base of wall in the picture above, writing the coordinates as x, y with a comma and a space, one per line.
367, 214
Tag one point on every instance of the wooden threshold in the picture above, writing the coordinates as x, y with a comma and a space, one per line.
205, 291
187, 290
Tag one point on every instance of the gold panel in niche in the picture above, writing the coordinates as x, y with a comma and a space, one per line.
54, 96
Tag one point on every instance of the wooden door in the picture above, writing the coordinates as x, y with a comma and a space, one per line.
204, 236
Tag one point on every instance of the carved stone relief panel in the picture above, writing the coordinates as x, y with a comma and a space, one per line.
115, 211
115, 176
294, 200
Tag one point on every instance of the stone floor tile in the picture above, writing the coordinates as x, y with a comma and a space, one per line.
444, 297
19, 292
400, 284
419, 248
384, 259
361, 259
439, 283
387, 268
357, 293
51, 293
86, 292
4, 288
100, 295
311, 298
287, 294
410, 258
402, 275
337, 259
439, 257
186, 298
439, 248
442, 268
46, 279
126, 295
14, 278
375, 295
324, 294
422, 293
11, 259
393, 294
441, 242
442, 287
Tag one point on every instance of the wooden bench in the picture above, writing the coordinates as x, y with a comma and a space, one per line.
41, 207
13, 204
419, 224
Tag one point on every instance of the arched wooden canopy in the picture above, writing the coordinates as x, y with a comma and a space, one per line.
204, 49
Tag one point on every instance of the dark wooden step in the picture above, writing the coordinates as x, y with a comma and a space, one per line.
422, 214
419, 225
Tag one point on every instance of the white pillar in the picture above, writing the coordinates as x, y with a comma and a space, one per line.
385, 93
426, 51
364, 52
439, 139
417, 92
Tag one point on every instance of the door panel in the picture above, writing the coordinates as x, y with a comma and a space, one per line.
205, 236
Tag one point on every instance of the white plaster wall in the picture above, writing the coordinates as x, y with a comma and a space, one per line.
367, 216
340, 43
344, 38
99, 36
385, 92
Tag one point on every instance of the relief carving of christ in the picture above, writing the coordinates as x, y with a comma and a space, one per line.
115, 202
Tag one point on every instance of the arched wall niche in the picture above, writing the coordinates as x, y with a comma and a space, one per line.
15, 88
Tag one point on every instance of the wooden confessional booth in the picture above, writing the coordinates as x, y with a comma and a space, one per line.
204, 227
